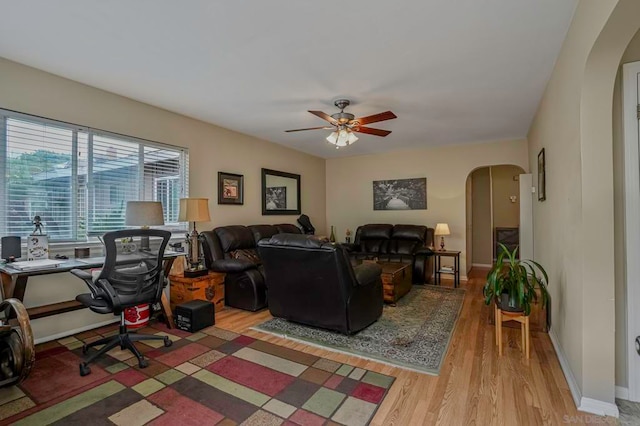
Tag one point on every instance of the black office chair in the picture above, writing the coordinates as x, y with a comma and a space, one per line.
123, 286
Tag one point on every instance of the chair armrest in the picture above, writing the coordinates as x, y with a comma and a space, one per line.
88, 279
367, 273
232, 265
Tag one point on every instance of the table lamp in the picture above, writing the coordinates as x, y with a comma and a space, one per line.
194, 210
442, 229
144, 214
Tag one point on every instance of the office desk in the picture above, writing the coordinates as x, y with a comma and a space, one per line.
14, 282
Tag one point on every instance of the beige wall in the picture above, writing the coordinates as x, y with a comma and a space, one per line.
481, 236
211, 149
350, 195
632, 54
505, 213
573, 228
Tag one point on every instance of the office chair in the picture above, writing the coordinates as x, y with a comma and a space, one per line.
123, 286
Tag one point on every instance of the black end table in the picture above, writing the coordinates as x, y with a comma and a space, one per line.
456, 266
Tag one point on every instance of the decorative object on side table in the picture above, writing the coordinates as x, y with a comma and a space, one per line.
332, 237
144, 214
194, 210
230, 188
513, 286
442, 229
347, 238
37, 242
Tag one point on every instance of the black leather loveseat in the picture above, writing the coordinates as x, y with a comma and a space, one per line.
311, 281
396, 243
232, 250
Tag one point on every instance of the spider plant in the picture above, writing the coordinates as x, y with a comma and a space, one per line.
517, 280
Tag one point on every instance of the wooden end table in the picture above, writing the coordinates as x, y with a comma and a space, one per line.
208, 287
438, 254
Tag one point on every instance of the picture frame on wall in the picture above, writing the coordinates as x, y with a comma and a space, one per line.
542, 181
400, 194
230, 188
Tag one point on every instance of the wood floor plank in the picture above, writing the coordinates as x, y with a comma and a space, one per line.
475, 386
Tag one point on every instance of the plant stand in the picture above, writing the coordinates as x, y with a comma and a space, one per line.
502, 316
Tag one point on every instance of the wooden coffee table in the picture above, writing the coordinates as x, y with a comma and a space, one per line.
396, 280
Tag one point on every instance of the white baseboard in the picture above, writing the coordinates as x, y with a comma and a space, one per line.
482, 265
601, 408
588, 405
622, 392
74, 331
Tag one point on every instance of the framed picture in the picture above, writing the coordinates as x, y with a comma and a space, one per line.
542, 182
400, 194
230, 188
276, 198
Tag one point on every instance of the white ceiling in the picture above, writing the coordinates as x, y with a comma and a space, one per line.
453, 71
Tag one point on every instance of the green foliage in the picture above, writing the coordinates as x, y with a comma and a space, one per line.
518, 279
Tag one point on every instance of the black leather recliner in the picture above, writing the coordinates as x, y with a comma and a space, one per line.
396, 243
232, 250
311, 281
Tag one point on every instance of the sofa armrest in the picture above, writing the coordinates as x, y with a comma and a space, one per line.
350, 247
232, 265
367, 273
424, 251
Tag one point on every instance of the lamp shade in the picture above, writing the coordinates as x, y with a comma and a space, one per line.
144, 213
442, 229
194, 210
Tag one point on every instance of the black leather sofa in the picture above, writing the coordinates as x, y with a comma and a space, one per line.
396, 243
232, 250
311, 281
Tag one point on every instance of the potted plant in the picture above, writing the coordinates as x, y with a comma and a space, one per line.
512, 283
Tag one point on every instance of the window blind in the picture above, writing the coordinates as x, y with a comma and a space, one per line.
78, 180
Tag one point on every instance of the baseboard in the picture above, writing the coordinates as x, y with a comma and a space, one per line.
601, 408
588, 405
622, 392
74, 331
482, 265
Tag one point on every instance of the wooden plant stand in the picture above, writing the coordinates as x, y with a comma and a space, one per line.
501, 316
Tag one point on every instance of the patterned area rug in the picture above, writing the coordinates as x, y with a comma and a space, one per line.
414, 334
210, 377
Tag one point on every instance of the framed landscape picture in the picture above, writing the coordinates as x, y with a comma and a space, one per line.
400, 194
230, 188
542, 182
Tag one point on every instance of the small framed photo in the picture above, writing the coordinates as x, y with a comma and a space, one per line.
542, 181
230, 188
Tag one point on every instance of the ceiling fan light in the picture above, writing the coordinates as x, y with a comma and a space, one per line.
352, 138
333, 138
343, 138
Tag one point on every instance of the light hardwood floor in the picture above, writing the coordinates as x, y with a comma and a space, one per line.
475, 385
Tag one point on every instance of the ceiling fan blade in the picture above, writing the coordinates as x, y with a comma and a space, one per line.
383, 116
310, 128
372, 131
324, 116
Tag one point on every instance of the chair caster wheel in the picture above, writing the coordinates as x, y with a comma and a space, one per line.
84, 369
167, 342
85, 349
143, 363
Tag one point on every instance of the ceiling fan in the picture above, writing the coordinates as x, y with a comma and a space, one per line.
345, 124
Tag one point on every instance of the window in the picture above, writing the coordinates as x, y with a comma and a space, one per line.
78, 180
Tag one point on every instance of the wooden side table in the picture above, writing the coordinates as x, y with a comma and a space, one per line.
438, 254
208, 287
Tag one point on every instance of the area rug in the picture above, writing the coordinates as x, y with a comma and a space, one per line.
210, 377
414, 334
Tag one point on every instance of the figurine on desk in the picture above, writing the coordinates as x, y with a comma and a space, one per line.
37, 242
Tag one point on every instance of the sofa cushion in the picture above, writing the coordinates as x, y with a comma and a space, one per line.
407, 247
409, 232
288, 228
234, 237
374, 246
298, 241
375, 232
263, 231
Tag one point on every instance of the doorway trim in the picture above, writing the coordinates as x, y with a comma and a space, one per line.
630, 103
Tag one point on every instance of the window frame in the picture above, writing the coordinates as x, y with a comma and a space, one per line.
183, 171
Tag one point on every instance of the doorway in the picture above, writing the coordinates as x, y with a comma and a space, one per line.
492, 212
